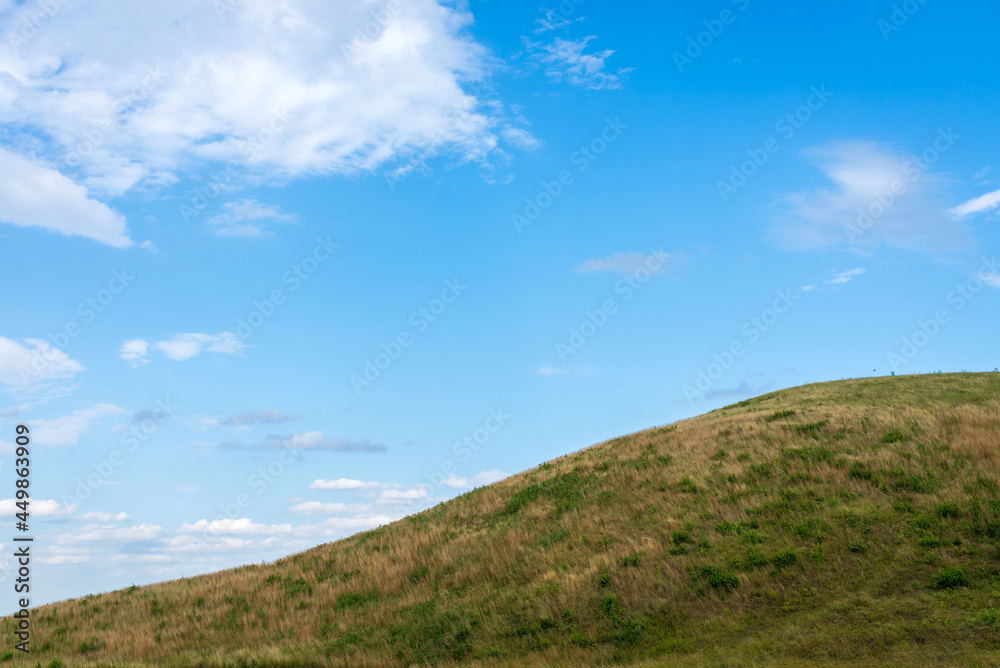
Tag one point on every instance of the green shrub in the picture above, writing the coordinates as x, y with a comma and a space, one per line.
894, 436
755, 559
726, 527
680, 536
785, 558
948, 510
857, 546
929, 542
604, 579
753, 537
950, 578
718, 578
633, 559
93, 645
780, 415
687, 485
419, 573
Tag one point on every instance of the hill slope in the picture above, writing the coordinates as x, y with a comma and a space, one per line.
848, 522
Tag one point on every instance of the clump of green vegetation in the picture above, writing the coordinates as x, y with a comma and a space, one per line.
718, 578
784, 559
950, 578
894, 436
633, 559
780, 415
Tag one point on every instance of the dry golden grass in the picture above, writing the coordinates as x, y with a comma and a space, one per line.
841, 515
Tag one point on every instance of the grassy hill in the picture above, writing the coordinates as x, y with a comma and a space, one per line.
848, 522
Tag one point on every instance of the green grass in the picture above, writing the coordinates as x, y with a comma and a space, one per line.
846, 523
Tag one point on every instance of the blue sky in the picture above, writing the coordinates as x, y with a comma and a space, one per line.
277, 275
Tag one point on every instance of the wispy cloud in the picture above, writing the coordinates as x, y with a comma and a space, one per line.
36, 367
877, 197
67, 430
569, 61
313, 440
626, 263
986, 202
246, 218
181, 347
265, 416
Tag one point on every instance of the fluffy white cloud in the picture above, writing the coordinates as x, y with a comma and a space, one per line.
185, 346
241, 526
35, 367
68, 429
131, 95
878, 197
245, 219
135, 352
37, 507
986, 202
34, 194
480, 479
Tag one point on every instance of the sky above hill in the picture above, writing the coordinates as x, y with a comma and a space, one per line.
275, 273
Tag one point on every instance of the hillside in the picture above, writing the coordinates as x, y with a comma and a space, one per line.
852, 522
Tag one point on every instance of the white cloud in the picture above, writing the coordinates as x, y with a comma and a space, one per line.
37, 507
986, 202
101, 516
187, 489
245, 219
68, 429
480, 479
34, 368
241, 526
135, 352
990, 279
126, 96
567, 60
185, 346
96, 533
265, 415
345, 484
488, 477
313, 440
877, 197
626, 263
316, 507
844, 276
34, 194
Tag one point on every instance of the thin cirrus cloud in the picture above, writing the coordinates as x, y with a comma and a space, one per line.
875, 197
313, 440
246, 218
34, 367
264, 416
116, 98
182, 347
626, 263
68, 429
